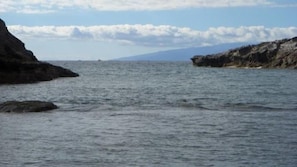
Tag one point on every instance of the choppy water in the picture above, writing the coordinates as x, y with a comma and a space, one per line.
154, 114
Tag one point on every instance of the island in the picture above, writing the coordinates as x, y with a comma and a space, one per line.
274, 54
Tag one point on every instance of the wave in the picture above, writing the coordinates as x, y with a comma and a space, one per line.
256, 107
201, 104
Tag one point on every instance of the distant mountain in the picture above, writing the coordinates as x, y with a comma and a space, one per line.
181, 54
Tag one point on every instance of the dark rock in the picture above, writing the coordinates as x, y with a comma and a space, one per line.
19, 65
11, 47
26, 106
14, 72
276, 54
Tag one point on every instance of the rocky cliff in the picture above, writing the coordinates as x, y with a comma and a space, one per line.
276, 54
19, 65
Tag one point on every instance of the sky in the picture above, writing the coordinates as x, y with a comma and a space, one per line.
109, 29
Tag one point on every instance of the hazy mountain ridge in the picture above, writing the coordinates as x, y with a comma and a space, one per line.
181, 54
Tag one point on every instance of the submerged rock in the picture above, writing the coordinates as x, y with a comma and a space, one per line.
19, 65
26, 106
276, 54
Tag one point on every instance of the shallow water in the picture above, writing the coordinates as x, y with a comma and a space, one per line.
154, 114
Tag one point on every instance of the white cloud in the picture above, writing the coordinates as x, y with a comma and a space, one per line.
155, 36
31, 10
7, 5
45, 6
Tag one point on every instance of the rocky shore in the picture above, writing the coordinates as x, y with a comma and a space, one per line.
276, 54
19, 65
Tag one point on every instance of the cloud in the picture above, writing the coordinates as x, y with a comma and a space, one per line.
46, 6
6, 5
78, 34
155, 36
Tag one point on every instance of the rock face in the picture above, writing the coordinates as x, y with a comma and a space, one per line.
276, 54
26, 106
19, 65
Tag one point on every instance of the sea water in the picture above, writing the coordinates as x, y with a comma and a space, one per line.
154, 114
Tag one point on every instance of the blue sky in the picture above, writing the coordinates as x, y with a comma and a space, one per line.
103, 29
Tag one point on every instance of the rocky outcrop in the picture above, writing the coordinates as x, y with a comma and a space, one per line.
26, 106
276, 54
19, 65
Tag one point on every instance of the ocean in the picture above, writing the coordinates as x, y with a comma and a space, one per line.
154, 114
